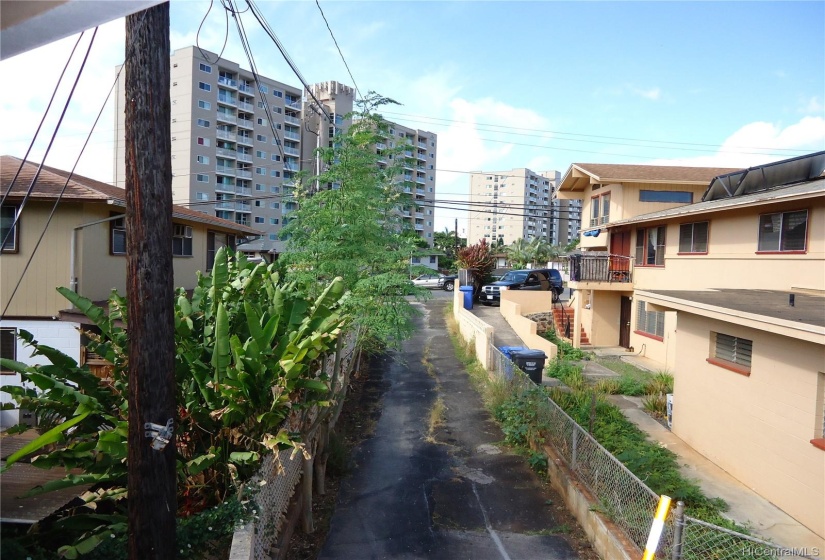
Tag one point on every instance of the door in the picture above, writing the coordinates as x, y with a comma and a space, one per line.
624, 323
620, 247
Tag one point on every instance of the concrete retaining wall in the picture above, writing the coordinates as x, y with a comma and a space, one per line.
526, 329
473, 329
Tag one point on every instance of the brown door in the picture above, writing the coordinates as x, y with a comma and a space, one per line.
624, 323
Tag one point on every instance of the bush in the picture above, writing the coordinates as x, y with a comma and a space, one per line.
660, 383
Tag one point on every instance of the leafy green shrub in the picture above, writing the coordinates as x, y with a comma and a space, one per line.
655, 405
631, 385
566, 350
660, 383
607, 386
538, 462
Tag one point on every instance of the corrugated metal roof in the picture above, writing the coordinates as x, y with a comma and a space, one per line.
767, 176
79, 188
802, 190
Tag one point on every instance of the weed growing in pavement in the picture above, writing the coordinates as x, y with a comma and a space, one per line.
436, 418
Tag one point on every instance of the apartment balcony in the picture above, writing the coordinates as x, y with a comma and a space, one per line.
244, 157
227, 100
243, 207
228, 82
246, 106
292, 136
422, 145
419, 191
601, 271
292, 120
224, 135
225, 187
408, 153
243, 220
408, 190
246, 123
380, 146
407, 214
225, 205
292, 152
243, 191
226, 118
422, 156
419, 227
292, 103
247, 140
226, 153
243, 174
246, 89
225, 170
290, 166
420, 180
419, 215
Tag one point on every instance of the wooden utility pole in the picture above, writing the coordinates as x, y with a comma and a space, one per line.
152, 491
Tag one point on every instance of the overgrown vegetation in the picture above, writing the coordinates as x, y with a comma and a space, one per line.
566, 350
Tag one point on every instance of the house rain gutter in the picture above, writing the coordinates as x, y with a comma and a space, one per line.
72, 250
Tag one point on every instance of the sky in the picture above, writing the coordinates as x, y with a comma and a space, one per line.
505, 85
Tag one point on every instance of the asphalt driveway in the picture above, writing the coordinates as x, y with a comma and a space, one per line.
448, 494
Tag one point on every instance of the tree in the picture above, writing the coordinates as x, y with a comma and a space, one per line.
479, 260
518, 253
444, 241
356, 232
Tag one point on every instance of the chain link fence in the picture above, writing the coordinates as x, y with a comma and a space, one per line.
622, 497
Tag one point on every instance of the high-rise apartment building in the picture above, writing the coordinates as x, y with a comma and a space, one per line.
235, 145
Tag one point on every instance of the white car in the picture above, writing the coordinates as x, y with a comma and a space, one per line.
428, 280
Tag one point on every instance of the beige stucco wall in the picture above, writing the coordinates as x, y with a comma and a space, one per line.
513, 313
603, 329
757, 428
530, 301
661, 351
732, 261
97, 271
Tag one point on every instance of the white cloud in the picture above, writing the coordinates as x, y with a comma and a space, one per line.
653, 93
812, 105
760, 142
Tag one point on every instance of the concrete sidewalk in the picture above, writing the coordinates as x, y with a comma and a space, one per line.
746, 506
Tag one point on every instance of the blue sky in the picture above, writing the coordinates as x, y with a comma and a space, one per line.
508, 84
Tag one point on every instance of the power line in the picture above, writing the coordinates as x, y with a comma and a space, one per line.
358, 91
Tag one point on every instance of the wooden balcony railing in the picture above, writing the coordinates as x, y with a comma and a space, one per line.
601, 267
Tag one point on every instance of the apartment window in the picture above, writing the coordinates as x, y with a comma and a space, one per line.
650, 246
731, 352
205, 68
274, 189
260, 104
277, 93
274, 205
260, 171
273, 221
693, 238
259, 187
432, 260
261, 138
204, 123
204, 141
259, 220
276, 157
204, 86
201, 196
278, 110
8, 234
275, 173
783, 231
262, 122
215, 241
201, 178
117, 236
278, 126
8, 348
650, 323
181, 240
600, 209
264, 89
260, 154
681, 197
273, 236
202, 159
204, 104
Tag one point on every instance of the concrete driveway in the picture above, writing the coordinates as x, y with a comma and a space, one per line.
451, 493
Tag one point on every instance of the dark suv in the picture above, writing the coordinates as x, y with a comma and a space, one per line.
543, 279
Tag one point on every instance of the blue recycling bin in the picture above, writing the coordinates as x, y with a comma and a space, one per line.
508, 364
468, 296
530, 362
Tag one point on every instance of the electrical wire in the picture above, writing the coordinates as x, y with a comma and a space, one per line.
265, 26
45, 114
358, 91
49, 147
225, 35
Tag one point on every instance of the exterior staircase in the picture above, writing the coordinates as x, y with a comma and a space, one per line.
563, 314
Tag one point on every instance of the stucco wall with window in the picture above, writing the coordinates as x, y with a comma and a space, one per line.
733, 259
757, 427
647, 341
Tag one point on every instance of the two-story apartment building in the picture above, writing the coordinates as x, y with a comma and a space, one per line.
83, 247
728, 294
603, 276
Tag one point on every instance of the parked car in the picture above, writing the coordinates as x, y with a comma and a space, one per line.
447, 282
431, 280
542, 279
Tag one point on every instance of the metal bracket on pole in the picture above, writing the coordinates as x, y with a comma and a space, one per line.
160, 434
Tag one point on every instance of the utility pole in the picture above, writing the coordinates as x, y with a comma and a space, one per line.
456, 237
152, 490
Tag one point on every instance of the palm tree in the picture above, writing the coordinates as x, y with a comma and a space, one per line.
518, 253
539, 252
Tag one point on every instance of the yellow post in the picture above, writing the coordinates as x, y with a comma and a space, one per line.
656, 528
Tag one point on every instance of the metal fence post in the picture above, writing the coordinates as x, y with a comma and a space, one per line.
574, 448
678, 530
